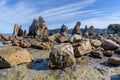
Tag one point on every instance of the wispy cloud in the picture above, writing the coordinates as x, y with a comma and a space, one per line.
55, 13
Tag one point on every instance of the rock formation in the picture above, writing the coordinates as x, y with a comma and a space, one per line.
64, 30
17, 30
38, 28
92, 31
62, 56
85, 32
76, 29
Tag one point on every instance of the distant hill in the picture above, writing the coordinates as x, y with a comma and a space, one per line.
99, 31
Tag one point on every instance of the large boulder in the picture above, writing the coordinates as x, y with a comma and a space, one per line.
62, 56
109, 44
76, 29
38, 28
96, 43
12, 56
64, 30
75, 38
42, 45
82, 48
114, 60
17, 30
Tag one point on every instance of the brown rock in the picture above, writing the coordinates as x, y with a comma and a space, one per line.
62, 39
25, 44
82, 48
12, 56
98, 54
76, 29
96, 43
114, 60
6, 42
17, 30
108, 53
62, 56
75, 38
51, 38
6, 38
109, 44
25, 35
42, 45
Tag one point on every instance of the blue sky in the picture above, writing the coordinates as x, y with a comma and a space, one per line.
99, 13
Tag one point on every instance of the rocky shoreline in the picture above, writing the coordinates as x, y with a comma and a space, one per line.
83, 56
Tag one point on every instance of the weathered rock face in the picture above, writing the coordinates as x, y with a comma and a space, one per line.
98, 54
12, 56
64, 30
42, 45
62, 56
38, 28
109, 44
76, 29
92, 31
82, 48
75, 38
96, 43
114, 60
86, 32
17, 30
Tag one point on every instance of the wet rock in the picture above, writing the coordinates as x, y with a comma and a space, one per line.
75, 38
12, 56
17, 30
108, 53
114, 60
38, 28
96, 43
64, 30
42, 45
62, 56
109, 44
76, 29
98, 54
92, 31
86, 32
82, 48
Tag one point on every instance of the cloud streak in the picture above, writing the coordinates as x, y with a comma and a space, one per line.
24, 11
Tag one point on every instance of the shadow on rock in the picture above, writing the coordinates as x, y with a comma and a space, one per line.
115, 77
39, 64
